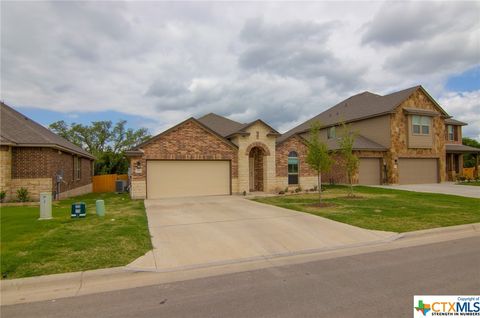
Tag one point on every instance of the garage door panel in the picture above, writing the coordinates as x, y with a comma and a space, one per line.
369, 171
415, 171
187, 178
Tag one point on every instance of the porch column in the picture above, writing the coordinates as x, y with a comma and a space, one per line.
452, 166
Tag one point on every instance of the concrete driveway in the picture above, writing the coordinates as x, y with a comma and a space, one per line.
205, 231
442, 188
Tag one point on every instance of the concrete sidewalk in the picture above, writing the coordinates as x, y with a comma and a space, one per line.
441, 188
57, 286
205, 231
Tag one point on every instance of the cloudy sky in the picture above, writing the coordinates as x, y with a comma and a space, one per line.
157, 63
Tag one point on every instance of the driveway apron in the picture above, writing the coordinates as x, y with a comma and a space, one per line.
205, 231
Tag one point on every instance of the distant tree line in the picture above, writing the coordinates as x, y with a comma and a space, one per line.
469, 159
105, 140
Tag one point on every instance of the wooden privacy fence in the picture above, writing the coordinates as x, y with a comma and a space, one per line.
106, 182
469, 172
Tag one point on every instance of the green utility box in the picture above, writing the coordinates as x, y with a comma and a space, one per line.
100, 207
79, 210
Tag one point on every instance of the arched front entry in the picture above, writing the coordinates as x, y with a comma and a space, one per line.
256, 168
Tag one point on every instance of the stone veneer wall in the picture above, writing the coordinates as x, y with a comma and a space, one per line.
5, 170
245, 143
399, 148
188, 141
34, 186
76, 191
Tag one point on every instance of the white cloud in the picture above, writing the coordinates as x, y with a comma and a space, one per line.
282, 62
465, 107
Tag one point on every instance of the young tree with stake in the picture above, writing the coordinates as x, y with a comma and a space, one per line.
318, 157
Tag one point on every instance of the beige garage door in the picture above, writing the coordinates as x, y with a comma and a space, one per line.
413, 171
166, 179
369, 171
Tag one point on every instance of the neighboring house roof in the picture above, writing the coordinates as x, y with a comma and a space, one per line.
358, 107
360, 143
456, 148
451, 121
19, 130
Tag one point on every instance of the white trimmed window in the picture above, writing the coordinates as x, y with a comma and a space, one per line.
451, 132
331, 133
292, 168
421, 125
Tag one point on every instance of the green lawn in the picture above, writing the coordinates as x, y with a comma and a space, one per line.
385, 209
471, 183
30, 247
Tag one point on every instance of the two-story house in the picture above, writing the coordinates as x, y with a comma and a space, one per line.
404, 137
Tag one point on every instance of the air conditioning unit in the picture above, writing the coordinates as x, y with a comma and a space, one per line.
120, 186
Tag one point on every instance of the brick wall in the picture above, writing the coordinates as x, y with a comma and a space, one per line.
31, 163
307, 176
189, 141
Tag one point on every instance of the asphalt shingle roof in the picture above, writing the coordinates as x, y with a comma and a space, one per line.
360, 143
17, 129
221, 125
363, 105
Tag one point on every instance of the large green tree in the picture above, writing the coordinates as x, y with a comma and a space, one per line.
318, 157
105, 140
469, 159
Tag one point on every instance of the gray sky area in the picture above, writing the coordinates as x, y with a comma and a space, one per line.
281, 62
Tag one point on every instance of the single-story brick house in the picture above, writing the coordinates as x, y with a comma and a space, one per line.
403, 137
33, 157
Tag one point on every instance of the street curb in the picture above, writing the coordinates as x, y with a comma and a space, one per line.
475, 227
41, 288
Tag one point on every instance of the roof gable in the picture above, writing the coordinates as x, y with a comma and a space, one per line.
136, 149
19, 130
244, 128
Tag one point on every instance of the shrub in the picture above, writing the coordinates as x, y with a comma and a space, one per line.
461, 178
3, 194
281, 192
298, 190
23, 195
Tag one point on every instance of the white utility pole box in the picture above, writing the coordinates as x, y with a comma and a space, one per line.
45, 205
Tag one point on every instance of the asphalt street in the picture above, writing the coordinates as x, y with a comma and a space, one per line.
380, 284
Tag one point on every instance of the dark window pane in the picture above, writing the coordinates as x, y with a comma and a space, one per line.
293, 179
425, 130
293, 168
416, 129
292, 154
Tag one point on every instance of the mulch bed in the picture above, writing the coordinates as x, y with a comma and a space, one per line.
322, 205
354, 197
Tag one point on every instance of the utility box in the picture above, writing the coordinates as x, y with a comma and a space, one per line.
45, 205
120, 186
79, 210
100, 207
